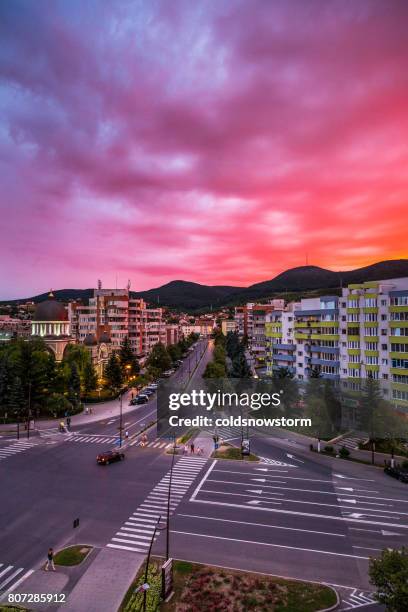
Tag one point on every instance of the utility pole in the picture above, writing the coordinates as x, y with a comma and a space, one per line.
156, 528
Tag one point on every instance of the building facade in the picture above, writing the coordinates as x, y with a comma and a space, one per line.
113, 312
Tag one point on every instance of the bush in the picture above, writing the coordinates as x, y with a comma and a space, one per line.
405, 465
389, 573
328, 448
57, 405
135, 602
344, 452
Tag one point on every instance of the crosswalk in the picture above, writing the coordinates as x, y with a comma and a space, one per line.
137, 531
356, 599
10, 577
157, 443
15, 448
276, 462
92, 438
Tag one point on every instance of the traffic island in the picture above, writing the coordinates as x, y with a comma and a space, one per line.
199, 588
227, 451
73, 555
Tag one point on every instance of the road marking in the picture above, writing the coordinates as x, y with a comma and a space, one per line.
297, 513
200, 484
210, 518
352, 478
313, 550
293, 458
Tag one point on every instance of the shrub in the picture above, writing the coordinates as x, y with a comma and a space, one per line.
405, 465
57, 405
328, 448
344, 452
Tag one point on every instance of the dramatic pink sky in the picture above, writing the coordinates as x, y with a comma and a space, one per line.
214, 141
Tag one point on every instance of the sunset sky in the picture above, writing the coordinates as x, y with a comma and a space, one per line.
213, 141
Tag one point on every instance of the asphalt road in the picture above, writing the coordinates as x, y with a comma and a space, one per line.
52, 479
298, 514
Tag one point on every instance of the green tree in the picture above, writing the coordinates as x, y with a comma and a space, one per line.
16, 400
174, 351
113, 373
389, 574
240, 367
159, 359
90, 378
128, 360
214, 369
74, 384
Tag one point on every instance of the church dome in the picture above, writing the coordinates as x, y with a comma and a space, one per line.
90, 340
50, 310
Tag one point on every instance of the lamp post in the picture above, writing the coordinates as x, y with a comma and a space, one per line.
168, 500
156, 528
120, 420
29, 409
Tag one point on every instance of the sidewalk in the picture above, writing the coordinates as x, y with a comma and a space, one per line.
205, 441
104, 584
104, 410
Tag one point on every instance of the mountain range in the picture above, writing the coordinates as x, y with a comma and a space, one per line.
193, 296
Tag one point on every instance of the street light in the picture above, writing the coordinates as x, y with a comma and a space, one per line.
168, 500
120, 421
156, 528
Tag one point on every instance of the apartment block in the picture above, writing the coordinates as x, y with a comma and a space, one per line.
250, 321
374, 335
228, 325
114, 313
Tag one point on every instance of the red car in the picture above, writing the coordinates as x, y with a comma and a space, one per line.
109, 457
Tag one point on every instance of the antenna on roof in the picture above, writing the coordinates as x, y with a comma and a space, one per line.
99, 283
307, 258
128, 285
116, 281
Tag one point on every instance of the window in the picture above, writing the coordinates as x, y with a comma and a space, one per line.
383, 317
354, 344
354, 373
384, 347
370, 302
384, 332
370, 360
384, 361
300, 365
400, 378
400, 331
402, 300
344, 371
354, 318
400, 363
354, 358
300, 353
397, 394
371, 331
399, 316
385, 376
383, 302
371, 346
399, 348
370, 316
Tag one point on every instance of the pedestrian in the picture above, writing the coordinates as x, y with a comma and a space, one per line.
192, 448
185, 449
90, 409
86, 410
50, 560
199, 450
126, 434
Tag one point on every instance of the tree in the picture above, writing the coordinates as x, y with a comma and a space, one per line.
74, 384
16, 401
159, 359
174, 351
389, 573
113, 373
90, 378
128, 360
214, 369
240, 367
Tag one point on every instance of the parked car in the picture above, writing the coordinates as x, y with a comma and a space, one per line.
397, 473
148, 391
109, 457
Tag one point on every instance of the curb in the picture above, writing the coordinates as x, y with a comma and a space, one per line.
338, 600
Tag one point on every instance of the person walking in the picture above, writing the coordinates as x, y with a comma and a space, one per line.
50, 560
192, 448
126, 434
86, 410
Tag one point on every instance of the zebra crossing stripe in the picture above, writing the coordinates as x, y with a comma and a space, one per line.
130, 535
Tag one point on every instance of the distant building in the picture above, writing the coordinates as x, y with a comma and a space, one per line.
229, 325
17, 328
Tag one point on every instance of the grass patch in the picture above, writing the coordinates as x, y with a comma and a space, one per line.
73, 555
232, 452
203, 588
187, 436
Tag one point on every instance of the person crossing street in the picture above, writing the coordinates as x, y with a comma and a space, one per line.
50, 560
